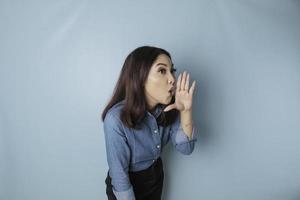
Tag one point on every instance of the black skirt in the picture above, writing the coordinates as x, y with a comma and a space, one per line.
147, 184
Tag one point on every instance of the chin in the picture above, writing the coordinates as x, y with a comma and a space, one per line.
167, 101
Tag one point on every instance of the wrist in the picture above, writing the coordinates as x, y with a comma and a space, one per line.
186, 118
187, 125
186, 111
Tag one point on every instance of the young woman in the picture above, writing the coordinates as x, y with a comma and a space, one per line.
147, 109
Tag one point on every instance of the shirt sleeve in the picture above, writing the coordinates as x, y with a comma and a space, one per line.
180, 139
118, 158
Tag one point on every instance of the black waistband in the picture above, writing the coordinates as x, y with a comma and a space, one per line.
152, 172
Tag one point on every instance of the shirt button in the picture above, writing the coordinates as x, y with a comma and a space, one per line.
155, 131
158, 146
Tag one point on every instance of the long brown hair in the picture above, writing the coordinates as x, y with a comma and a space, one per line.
130, 86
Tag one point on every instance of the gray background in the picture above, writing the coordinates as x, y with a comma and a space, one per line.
59, 62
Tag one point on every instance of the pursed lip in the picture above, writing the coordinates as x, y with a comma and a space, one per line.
172, 90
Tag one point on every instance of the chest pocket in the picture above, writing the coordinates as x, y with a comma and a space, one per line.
143, 146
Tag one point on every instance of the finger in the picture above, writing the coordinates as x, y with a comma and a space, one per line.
192, 89
178, 83
170, 107
182, 81
186, 86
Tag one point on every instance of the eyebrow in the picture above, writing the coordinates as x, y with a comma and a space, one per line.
164, 65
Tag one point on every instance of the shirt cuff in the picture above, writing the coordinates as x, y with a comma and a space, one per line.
125, 195
181, 137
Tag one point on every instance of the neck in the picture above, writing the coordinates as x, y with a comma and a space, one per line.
151, 105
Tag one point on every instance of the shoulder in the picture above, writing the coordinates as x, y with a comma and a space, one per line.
112, 116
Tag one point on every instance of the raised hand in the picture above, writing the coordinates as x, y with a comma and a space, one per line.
183, 95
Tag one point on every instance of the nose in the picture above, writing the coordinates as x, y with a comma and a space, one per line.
171, 79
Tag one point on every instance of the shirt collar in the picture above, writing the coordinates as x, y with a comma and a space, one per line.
157, 110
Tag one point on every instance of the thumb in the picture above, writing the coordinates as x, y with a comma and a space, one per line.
170, 107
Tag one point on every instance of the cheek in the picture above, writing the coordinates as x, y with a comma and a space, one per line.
154, 85
154, 81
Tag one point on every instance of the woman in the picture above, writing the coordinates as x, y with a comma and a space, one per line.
147, 109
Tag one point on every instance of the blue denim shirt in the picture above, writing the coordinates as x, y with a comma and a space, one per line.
134, 150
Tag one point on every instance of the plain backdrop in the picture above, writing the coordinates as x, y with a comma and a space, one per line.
59, 62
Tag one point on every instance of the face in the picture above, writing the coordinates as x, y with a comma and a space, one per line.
160, 80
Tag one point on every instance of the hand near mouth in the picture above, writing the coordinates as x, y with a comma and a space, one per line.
183, 95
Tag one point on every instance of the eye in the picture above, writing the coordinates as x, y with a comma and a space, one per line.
163, 71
